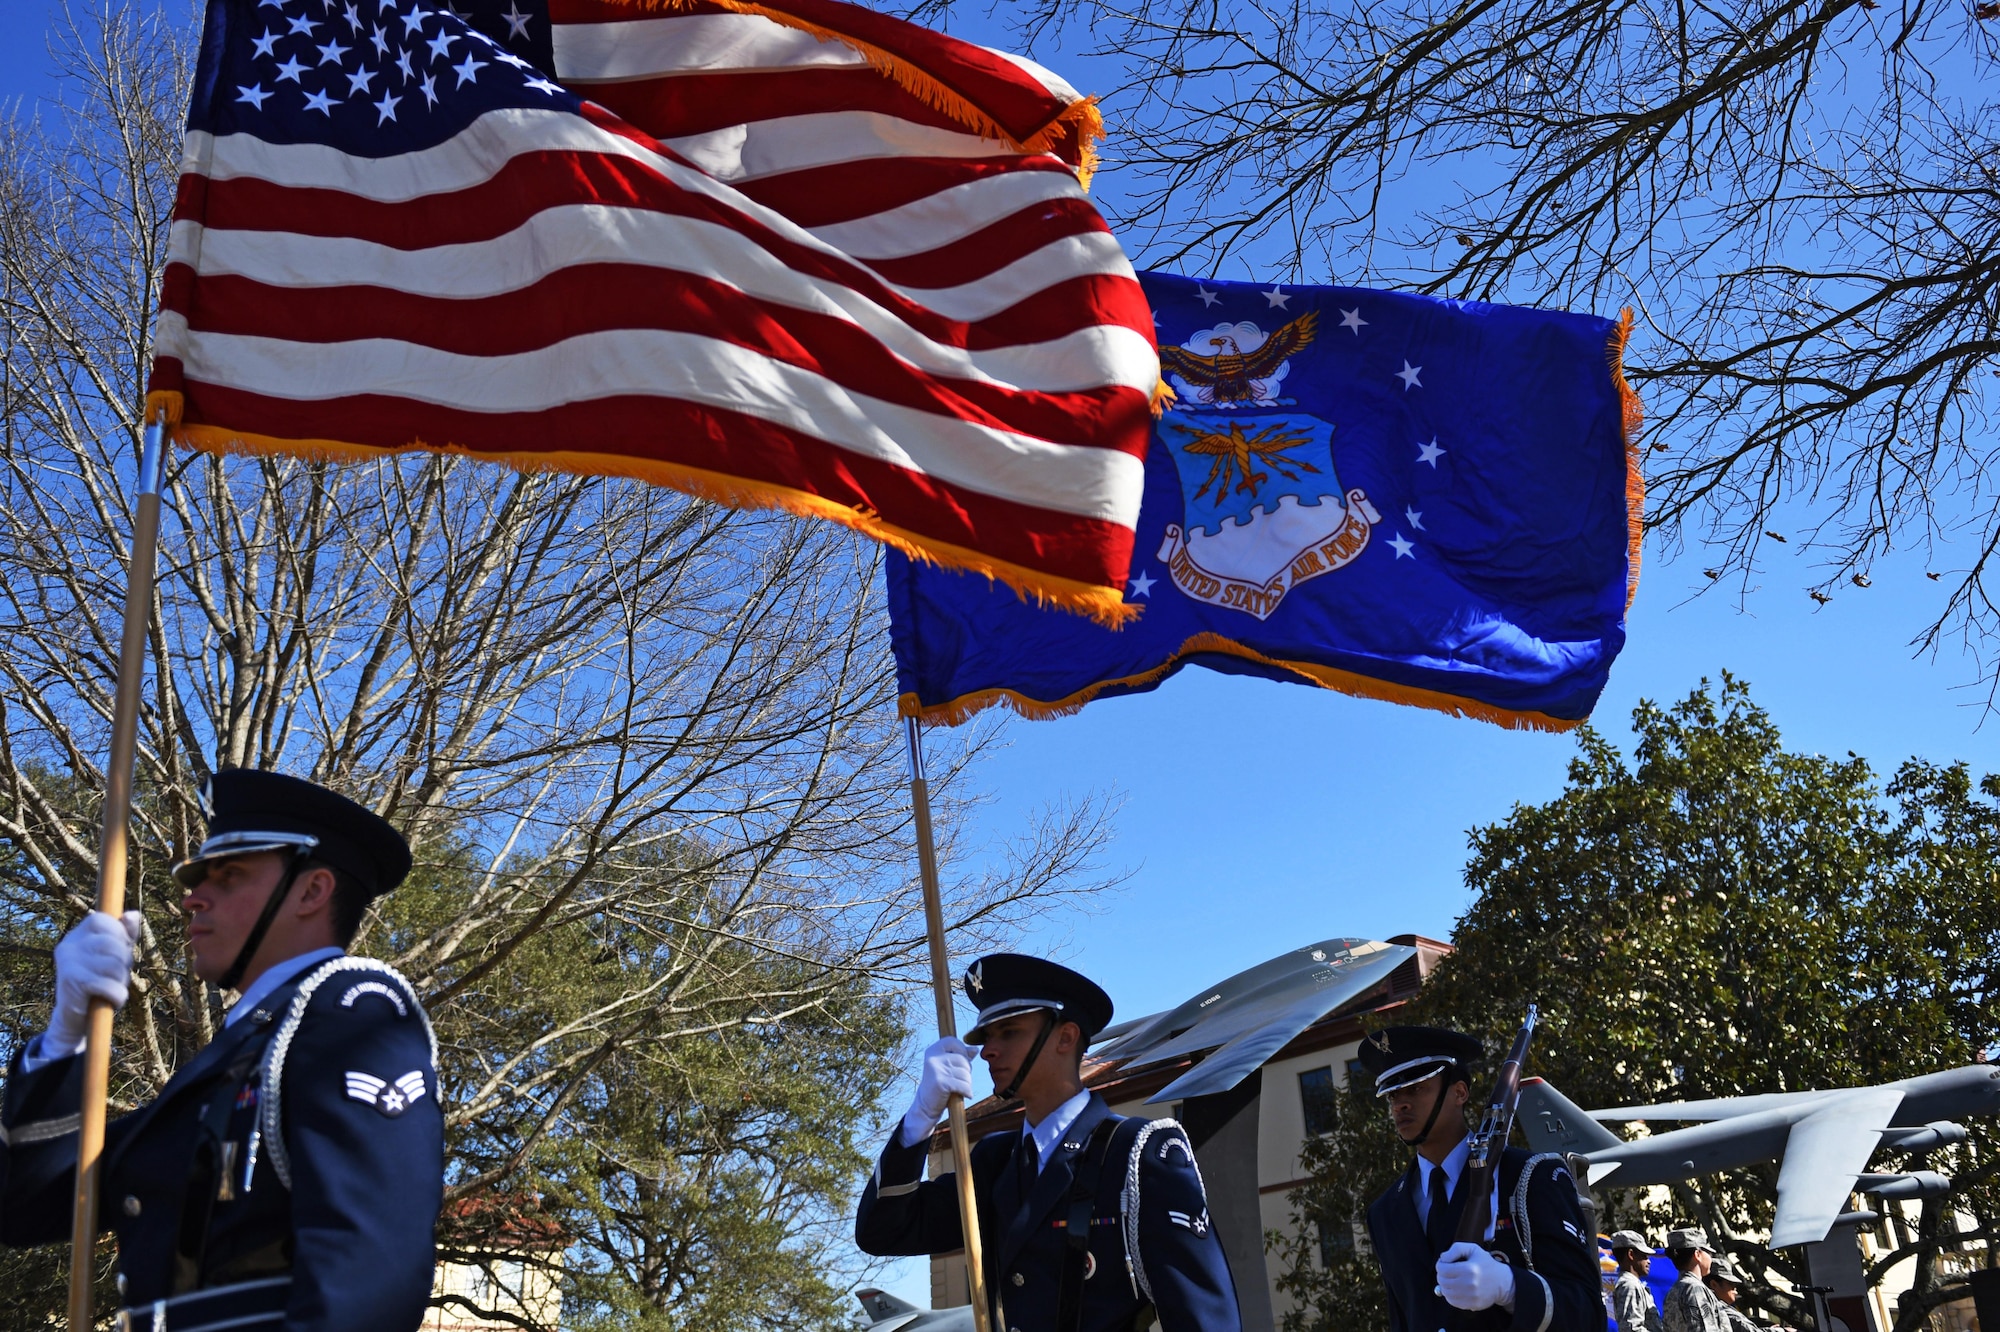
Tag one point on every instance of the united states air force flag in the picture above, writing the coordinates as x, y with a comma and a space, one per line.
1429, 501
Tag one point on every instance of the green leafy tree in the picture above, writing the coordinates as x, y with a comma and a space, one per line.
1717, 916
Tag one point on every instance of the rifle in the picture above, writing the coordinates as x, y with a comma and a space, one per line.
1489, 1140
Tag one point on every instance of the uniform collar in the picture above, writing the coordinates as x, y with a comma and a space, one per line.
1049, 1132
1454, 1169
278, 974
1453, 1166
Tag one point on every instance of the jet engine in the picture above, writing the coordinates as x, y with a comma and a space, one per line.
1915, 1184
1939, 1133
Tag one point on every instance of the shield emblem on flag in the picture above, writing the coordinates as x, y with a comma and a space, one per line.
1265, 510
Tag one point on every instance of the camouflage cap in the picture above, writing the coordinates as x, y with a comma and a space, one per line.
1725, 1271
1630, 1239
1689, 1237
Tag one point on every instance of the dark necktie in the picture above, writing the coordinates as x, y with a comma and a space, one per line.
1437, 1226
1027, 1163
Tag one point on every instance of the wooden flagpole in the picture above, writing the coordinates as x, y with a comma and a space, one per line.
111, 866
947, 1023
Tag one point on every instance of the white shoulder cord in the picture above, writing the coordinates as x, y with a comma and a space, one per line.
1128, 1201
1519, 1206
270, 1111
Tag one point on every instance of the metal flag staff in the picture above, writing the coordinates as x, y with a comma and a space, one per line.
111, 858
947, 1016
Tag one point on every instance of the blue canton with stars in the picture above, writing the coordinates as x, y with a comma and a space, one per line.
1392, 495
372, 78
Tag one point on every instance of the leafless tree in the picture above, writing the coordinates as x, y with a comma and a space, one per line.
645, 748
1799, 197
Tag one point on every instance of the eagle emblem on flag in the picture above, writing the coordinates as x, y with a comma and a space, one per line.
1218, 369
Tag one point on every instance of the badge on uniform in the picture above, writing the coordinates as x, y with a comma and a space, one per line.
1198, 1224
391, 1099
374, 987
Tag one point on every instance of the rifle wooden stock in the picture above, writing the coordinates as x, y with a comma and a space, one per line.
1489, 1141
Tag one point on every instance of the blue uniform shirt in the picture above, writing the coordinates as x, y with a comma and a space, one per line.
1150, 1243
1538, 1231
320, 1097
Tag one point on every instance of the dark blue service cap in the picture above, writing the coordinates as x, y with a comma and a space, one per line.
1403, 1056
1003, 984
250, 811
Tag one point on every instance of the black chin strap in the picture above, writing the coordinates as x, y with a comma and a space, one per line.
1436, 1107
1049, 1024
231, 978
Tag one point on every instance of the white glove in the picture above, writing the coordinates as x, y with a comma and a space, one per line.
947, 1069
93, 961
1471, 1278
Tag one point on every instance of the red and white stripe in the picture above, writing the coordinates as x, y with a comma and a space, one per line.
754, 255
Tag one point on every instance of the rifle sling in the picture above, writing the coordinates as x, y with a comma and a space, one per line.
208, 1169
1080, 1202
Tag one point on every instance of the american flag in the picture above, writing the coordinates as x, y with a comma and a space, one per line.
802, 255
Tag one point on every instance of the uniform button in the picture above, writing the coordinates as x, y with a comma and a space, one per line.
1019, 1279
131, 1205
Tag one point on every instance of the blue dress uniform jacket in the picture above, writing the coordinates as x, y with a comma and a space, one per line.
326, 1099
1177, 1264
1556, 1281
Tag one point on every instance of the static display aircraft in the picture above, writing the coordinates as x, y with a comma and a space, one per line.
886, 1313
1252, 1015
1824, 1137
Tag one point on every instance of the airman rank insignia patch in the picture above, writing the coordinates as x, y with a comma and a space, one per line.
391, 1099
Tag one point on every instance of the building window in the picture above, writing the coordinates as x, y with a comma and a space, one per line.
1335, 1238
1316, 1092
499, 1283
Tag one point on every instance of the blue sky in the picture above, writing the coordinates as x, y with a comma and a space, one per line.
1260, 816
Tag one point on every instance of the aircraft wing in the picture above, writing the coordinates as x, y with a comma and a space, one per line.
1247, 1034
1727, 1107
1824, 1153
1250, 999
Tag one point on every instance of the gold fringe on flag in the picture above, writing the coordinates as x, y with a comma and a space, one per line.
1103, 604
1080, 119
965, 706
1633, 424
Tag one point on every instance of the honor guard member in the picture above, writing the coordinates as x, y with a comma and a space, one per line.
1538, 1272
1088, 1220
289, 1175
